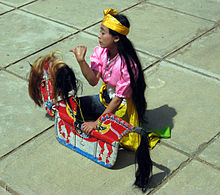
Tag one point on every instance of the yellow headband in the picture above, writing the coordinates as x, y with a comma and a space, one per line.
112, 23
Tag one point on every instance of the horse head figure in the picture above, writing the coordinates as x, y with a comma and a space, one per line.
50, 78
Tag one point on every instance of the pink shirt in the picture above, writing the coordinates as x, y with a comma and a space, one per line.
114, 72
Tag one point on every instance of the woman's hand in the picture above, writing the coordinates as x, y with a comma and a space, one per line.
80, 52
91, 76
88, 127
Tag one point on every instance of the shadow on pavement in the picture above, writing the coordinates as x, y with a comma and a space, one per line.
160, 117
158, 177
126, 158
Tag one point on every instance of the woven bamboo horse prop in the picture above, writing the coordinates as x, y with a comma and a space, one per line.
52, 82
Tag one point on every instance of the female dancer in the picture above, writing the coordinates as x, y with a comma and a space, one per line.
116, 62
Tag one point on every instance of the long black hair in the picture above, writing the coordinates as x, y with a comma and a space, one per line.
65, 81
128, 54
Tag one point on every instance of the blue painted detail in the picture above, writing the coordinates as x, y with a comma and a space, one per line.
86, 154
101, 163
83, 135
125, 132
49, 104
108, 165
107, 116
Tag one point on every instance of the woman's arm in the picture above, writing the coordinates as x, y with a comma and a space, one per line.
112, 108
91, 76
113, 105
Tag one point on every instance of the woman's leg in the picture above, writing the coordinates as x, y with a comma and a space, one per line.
91, 107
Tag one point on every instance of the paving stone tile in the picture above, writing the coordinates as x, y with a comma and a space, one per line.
165, 161
201, 8
211, 154
16, 3
195, 178
4, 9
146, 60
26, 34
152, 28
20, 120
201, 55
44, 166
78, 14
187, 102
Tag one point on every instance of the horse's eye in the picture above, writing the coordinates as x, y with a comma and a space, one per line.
43, 84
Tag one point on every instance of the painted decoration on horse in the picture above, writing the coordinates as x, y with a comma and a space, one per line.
103, 143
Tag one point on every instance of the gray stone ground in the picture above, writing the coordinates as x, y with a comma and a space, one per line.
179, 46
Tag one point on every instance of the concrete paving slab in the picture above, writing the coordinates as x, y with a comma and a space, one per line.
44, 166
186, 101
16, 3
195, 178
202, 8
146, 60
78, 14
152, 28
4, 9
201, 55
20, 120
211, 154
29, 34
165, 161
